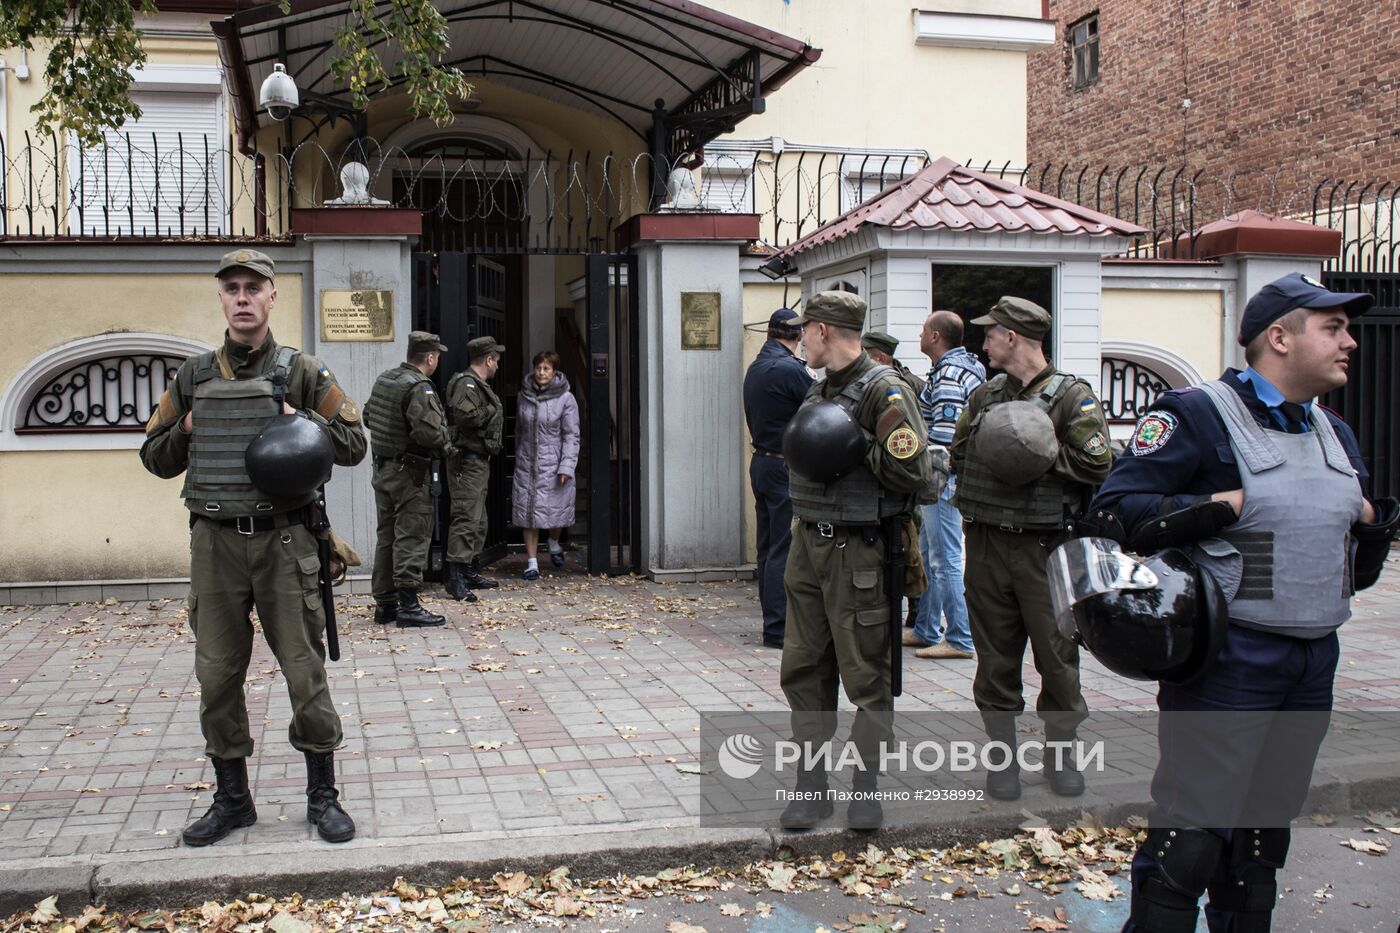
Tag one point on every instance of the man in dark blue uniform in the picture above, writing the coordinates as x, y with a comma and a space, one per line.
774, 387
1265, 489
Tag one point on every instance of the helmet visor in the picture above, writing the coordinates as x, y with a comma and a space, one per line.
1086, 567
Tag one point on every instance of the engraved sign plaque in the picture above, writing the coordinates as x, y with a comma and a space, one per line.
699, 320
366, 314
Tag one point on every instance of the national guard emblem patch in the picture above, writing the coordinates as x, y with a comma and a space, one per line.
1153, 432
1096, 445
902, 443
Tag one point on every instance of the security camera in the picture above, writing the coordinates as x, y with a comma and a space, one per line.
278, 95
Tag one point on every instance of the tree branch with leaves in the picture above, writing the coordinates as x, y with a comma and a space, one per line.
95, 45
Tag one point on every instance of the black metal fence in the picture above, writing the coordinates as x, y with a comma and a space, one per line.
195, 186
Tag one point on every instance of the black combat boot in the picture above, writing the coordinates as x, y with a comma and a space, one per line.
455, 582
864, 810
474, 578
1064, 776
412, 615
323, 800
811, 804
1006, 783
233, 804
384, 613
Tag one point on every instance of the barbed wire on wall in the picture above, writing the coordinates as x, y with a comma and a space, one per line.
198, 187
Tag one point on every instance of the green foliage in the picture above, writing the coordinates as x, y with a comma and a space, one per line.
97, 43
88, 76
419, 30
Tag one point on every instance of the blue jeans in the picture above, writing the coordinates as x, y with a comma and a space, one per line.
940, 540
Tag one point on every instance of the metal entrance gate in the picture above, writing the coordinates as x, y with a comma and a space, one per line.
1368, 401
460, 296
612, 417
464, 295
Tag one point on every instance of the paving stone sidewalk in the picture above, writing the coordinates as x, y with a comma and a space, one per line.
564, 706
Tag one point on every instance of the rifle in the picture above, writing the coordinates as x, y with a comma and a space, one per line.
893, 529
322, 530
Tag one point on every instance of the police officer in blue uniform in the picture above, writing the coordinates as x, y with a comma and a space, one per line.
774, 387
1264, 488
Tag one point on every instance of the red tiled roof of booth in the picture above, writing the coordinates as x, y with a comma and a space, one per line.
947, 196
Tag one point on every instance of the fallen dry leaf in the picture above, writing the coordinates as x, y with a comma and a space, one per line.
46, 911
1045, 923
1096, 886
1376, 847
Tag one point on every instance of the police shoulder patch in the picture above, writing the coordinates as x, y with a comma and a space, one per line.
902, 443
1153, 431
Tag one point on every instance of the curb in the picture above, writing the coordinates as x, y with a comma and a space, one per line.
186, 877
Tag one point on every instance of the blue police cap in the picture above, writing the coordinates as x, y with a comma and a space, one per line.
1296, 290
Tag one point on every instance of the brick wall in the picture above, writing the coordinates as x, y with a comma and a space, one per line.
1282, 94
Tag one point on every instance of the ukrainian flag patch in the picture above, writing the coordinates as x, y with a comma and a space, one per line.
1087, 406
893, 395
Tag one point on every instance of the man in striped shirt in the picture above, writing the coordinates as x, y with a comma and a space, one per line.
956, 372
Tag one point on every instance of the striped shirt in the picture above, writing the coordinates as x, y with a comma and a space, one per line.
945, 396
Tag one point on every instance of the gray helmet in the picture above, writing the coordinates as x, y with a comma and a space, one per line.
1017, 439
290, 458
823, 442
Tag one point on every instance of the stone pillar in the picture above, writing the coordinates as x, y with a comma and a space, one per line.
694, 465
356, 248
1258, 248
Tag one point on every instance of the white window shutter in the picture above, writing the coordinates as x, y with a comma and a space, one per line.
172, 157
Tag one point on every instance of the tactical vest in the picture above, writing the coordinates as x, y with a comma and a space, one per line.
856, 498
982, 498
227, 415
487, 438
388, 429
1285, 563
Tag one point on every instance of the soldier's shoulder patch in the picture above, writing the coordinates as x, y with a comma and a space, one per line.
1097, 445
902, 443
1088, 405
892, 394
1153, 431
349, 412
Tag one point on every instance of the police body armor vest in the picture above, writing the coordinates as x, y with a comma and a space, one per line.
1285, 563
856, 498
388, 430
981, 497
487, 438
228, 414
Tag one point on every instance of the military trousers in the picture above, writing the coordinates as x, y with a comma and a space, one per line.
277, 573
838, 629
1008, 604
467, 534
404, 532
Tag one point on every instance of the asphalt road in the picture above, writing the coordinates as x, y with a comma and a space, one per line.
1325, 888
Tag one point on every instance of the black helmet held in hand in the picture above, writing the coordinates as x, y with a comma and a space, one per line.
823, 442
1159, 618
290, 458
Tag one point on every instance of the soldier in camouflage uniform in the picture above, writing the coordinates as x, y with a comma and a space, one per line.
248, 550
407, 429
1012, 527
838, 616
880, 347
478, 419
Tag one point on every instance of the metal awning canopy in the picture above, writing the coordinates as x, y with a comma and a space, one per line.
676, 73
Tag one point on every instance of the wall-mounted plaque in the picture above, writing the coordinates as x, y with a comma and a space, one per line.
357, 315
699, 320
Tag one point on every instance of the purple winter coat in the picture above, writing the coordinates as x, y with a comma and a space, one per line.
546, 444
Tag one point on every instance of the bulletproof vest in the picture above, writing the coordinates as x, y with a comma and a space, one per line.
856, 498
1285, 564
227, 415
487, 438
985, 499
388, 430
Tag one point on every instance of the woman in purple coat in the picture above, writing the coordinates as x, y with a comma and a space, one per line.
546, 455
